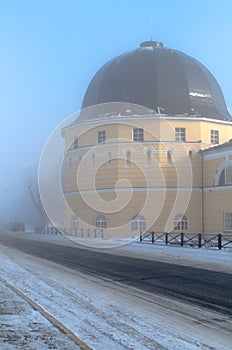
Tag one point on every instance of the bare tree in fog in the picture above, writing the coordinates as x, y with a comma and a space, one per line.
33, 191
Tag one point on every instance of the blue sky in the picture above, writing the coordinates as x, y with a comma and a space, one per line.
50, 50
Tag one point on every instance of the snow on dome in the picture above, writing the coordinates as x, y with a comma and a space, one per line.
157, 77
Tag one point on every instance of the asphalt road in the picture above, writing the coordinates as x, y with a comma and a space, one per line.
208, 289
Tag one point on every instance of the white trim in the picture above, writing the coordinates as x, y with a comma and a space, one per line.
218, 188
220, 169
193, 149
133, 144
160, 117
228, 175
229, 219
138, 223
218, 154
176, 222
101, 218
137, 189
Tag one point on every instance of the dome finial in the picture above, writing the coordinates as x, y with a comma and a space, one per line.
151, 43
151, 22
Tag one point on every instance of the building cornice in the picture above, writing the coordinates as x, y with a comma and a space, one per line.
107, 145
135, 189
116, 119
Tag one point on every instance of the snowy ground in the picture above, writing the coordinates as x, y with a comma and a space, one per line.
105, 314
22, 327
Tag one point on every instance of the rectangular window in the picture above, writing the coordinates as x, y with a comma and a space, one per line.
214, 137
228, 175
227, 221
75, 143
180, 134
138, 134
101, 136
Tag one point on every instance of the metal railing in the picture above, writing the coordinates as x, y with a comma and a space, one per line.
195, 240
84, 233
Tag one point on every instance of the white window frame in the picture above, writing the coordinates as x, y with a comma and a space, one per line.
100, 221
214, 137
228, 175
228, 221
181, 223
74, 224
180, 134
138, 134
101, 136
138, 223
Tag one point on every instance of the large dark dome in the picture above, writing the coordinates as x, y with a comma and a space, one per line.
162, 79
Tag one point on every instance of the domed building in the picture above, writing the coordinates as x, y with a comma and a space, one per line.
150, 149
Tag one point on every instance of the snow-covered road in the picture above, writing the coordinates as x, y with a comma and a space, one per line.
109, 315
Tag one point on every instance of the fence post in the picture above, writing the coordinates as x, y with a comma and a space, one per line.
199, 240
153, 237
181, 239
219, 241
166, 238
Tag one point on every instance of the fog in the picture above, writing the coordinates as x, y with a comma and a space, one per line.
50, 52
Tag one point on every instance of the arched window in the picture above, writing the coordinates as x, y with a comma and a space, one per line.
148, 158
128, 159
223, 175
109, 160
100, 221
169, 158
75, 143
190, 156
180, 222
226, 176
138, 223
93, 160
74, 224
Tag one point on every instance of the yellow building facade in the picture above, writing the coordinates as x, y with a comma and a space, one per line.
137, 161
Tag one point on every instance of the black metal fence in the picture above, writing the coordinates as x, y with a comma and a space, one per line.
85, 233
181, 239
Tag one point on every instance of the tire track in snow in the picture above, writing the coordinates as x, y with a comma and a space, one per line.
48, 316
